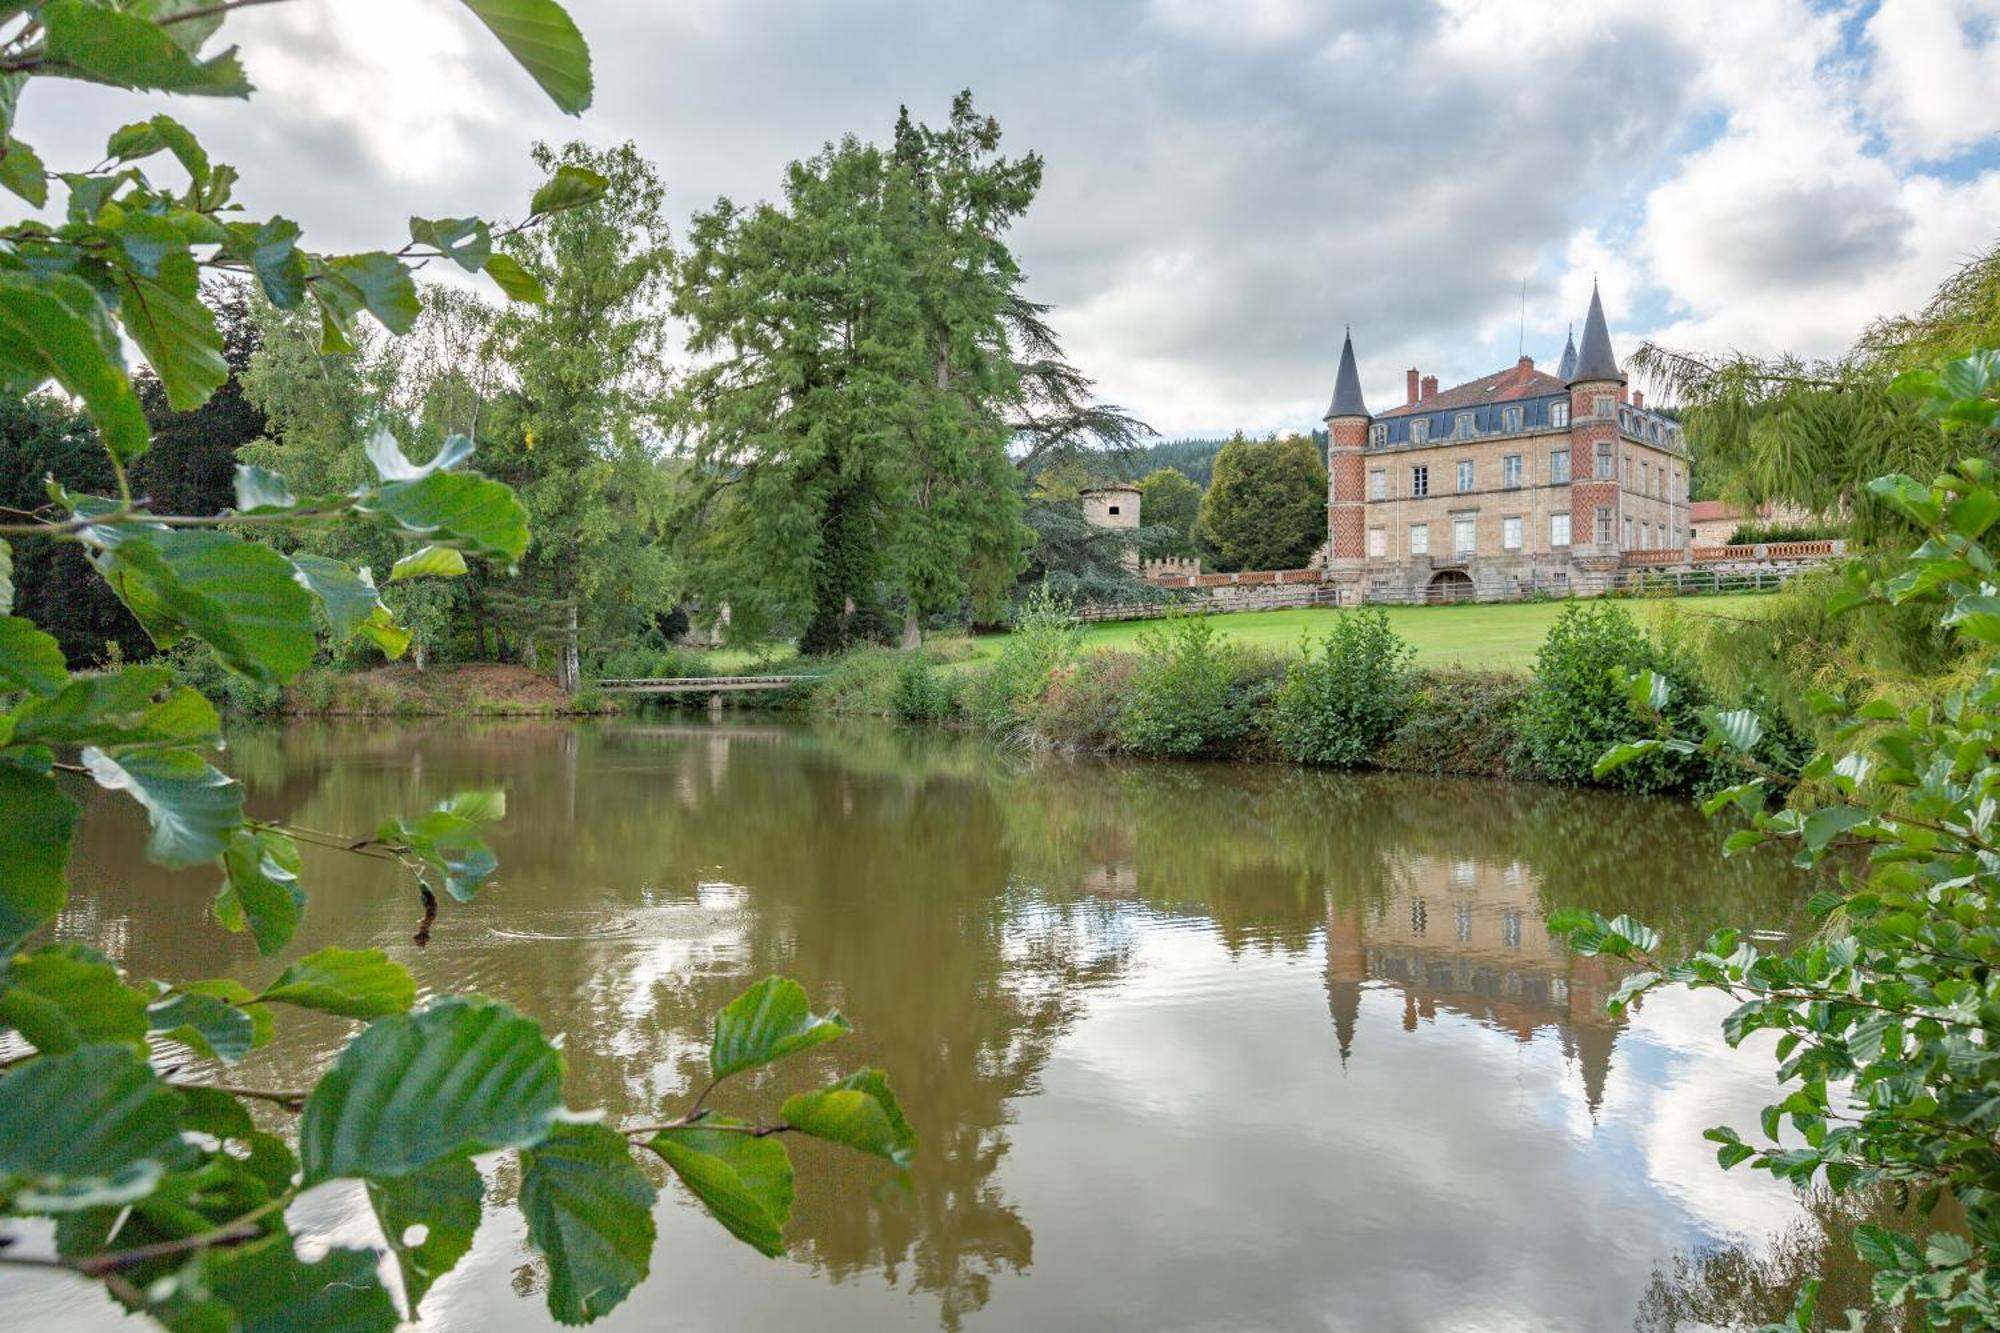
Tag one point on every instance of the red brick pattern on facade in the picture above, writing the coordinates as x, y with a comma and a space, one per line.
1347, 482
1588, 493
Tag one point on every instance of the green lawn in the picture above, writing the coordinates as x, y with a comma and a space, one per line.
1500, 635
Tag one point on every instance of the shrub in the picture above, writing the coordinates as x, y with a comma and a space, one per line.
1185, 697
923, 693
1046, 636
194, 665
1338, 706
1460, 722
1080, 708
1578, 707
649, 663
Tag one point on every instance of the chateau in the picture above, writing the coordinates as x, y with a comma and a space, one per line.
1503, 486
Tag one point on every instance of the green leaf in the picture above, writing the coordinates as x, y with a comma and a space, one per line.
1618, 756
65, 996
354, 983
191, 806
1977, 615
1739, 728
212, 1111
85, 1129
29, 659
260, 490
264, 1287
260, 888
351, 603
177, 335
429, 562
103, 45
21, 171
515, 282
271, 249
444, 1200
1829, 822
391, 464
590, 1213
133, 706
769, 1021
461, 1076
1942, 1249
52, 327
241, 598
859, 1112
383, 285
210, 1025
467, 242
570, 187
744, 1180
457, 507
34, 848
542, 36
447, 840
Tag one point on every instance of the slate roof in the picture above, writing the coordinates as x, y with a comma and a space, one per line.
1504, 386
1568, 366
1347, 386
1594, 360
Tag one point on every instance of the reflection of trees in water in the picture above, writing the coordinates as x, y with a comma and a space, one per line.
1752, 1285
959, 904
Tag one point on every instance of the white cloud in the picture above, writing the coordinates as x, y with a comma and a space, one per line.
1935, 72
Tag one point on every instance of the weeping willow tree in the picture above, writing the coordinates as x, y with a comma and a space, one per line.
1813, 433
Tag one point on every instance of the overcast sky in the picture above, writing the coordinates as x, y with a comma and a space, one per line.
1229, 182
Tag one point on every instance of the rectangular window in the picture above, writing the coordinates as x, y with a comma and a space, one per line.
1628, 532
1378, 435
1604, 463
1606, 407
1378, 484
1420, 539
1510, 418
1603, 525
1420, 481
1420, 430
1510, 471
1510, 533
1559, 529
1559, 466
1559, 415
1645, 535
1464, 475
1464, 535
1465, 425
1378, 543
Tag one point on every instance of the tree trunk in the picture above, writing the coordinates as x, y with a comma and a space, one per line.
913, 632
531, 656
419, 654
570, 677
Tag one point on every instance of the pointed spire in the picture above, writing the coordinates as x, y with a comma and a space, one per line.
1568, 366
1594, 360
1347, 385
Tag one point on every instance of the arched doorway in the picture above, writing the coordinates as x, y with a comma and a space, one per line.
1449, 585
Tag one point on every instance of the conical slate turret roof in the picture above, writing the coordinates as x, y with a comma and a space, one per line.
1347, 386
1595, 361
1567, 370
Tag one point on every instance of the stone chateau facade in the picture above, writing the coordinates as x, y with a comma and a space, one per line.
1514, 483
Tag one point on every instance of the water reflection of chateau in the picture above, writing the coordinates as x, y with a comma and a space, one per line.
1468, 937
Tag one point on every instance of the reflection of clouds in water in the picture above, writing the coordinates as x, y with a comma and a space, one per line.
1702, 1082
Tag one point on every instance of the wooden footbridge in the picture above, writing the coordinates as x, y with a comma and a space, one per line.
702, 684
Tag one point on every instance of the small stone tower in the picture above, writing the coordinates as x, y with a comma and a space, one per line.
1347, 422
1111, 506
1596, 386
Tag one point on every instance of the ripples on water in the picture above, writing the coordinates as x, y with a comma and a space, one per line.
1187, 1047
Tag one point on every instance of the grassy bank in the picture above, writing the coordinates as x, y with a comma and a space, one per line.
1359, 695
479, 689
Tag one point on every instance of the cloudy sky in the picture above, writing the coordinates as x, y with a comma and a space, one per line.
1229, 182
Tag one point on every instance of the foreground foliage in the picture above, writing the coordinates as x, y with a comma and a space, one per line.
1887, 1023
161, 1183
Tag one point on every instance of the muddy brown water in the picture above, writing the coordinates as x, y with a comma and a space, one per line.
1187, 1046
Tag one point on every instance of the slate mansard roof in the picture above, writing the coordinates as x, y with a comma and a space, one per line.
1505, 386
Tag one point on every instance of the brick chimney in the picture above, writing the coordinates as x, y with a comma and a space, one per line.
1638, 399
1524, 369
1430, 388
1413, 387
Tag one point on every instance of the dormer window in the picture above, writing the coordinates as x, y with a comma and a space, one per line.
1465, 425
1510, 419
1378, 435
1420, 430
1559, 415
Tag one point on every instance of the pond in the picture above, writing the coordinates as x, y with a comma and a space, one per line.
1187, 1047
